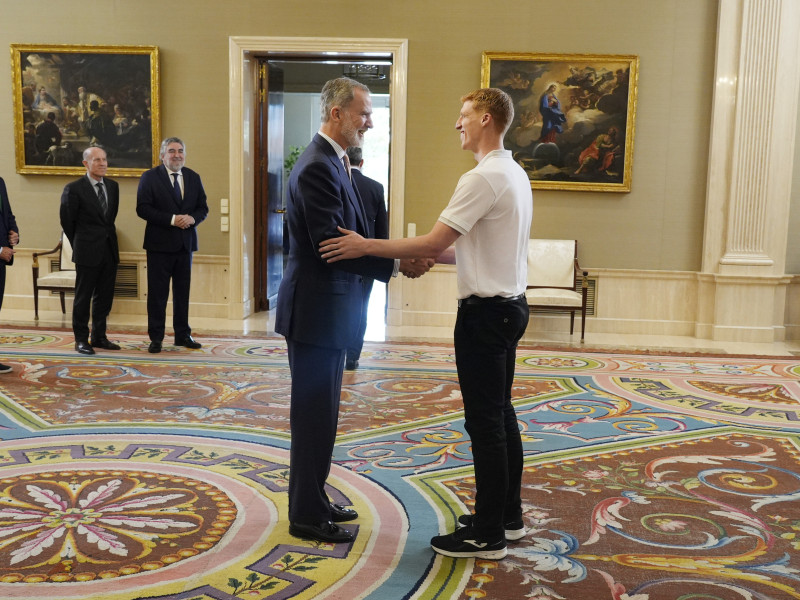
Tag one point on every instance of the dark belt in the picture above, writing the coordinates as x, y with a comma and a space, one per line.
490, 300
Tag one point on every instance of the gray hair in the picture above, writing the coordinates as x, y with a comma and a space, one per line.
338, 92
167, 142
355, 154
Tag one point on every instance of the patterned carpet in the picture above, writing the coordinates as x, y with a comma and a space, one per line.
128, 475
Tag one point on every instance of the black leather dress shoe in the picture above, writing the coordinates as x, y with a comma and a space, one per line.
154, 347
188, 342
84, 348
340, 514
327, 531
350, 365
105, 344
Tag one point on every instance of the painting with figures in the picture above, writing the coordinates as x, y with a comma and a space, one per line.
67, 98
574, 117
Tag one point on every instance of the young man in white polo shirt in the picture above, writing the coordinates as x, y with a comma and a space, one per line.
488, 219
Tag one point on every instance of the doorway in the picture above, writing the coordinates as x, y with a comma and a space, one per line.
243, 57
288, 116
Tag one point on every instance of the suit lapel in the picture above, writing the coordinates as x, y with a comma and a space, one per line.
90, 194
350, 191
166, 181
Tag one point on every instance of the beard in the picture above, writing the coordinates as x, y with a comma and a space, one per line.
351, 135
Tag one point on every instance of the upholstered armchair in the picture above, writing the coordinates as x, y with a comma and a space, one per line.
553, 279
61, 281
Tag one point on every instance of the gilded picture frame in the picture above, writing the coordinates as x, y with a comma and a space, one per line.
574, 120
68, 97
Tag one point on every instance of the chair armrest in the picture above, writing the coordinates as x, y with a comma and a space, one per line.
583, 275
36, 255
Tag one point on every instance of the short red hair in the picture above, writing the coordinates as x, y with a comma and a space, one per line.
495, 102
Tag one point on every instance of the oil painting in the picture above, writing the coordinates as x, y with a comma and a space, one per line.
574, 117
67, 98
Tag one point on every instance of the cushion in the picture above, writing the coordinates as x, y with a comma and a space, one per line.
551, 263
553, 297
66, 263
65, 279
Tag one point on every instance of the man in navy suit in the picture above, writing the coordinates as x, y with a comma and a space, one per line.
371, 193
9, 237
319, 305
172, 200
89, 208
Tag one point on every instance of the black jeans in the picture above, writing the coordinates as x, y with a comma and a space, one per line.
485, 339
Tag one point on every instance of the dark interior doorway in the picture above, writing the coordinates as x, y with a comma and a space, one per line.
287, 118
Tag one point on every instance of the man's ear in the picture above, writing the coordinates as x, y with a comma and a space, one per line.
486, 118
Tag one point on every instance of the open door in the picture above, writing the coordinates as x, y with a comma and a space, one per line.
269, 209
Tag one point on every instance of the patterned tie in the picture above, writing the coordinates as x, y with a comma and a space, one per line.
101, 195
346, 161
177, 186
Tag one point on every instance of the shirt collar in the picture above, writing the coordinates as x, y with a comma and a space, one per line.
93, 181
336, 147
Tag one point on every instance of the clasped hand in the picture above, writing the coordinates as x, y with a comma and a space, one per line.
352, 245
184, 221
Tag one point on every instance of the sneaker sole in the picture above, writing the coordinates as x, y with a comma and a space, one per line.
487, 554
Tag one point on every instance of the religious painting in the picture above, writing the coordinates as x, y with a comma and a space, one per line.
67, 98
574, 117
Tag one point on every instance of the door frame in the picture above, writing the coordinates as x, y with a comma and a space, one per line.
241, 150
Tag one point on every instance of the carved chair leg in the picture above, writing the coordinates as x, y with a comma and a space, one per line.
571, 321
36, 302
583, 324
63, 305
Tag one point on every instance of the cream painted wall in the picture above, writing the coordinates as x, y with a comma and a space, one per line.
658, 225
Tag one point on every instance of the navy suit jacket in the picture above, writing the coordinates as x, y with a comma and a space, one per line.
87, 228
156, 203
371, 193
8, 223
320, 303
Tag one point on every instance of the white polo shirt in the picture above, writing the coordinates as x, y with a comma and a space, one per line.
492, 208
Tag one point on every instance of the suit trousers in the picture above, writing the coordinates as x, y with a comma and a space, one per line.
354, 351
313, 417
485, 340
161, 268
94, 289
3, 265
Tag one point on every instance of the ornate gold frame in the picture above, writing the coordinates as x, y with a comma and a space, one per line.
79, 63
594, 94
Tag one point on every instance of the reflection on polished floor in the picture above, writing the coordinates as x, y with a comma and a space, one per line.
262, 324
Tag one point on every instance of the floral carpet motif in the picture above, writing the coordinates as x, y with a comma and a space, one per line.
127, 475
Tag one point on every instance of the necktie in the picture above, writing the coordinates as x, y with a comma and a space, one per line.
177, 186
101, 195
346, 161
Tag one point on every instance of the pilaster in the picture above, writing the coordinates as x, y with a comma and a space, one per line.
742, 286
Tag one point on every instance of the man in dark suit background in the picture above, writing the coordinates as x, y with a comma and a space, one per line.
371, 193
172, 200
9, 237
319, 305
89, 208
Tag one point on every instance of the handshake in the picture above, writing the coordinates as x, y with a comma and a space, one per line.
351, 245
416, 267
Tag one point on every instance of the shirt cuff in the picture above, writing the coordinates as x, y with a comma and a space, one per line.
172, 221
396, 267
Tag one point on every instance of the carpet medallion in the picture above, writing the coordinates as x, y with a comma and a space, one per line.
118, 516
127, 475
